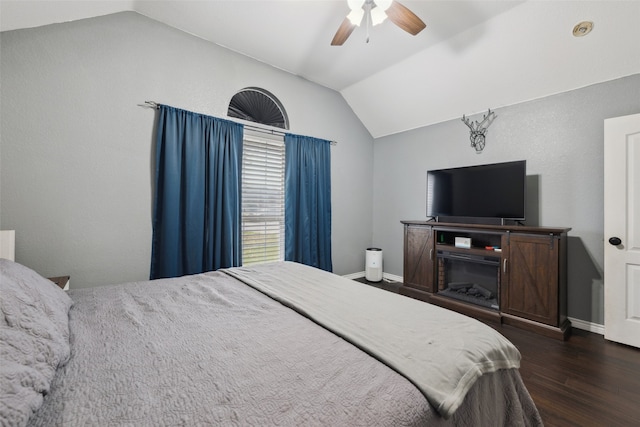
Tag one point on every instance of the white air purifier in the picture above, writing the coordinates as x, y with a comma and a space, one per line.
373, 265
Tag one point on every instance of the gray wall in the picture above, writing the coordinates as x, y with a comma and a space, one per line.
76, 148
560, 137
75, 151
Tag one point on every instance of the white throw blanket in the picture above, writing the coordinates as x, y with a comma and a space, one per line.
441, 352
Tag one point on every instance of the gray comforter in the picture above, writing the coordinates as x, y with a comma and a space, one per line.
441, 352
209, 350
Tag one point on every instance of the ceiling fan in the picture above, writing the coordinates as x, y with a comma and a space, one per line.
376, 11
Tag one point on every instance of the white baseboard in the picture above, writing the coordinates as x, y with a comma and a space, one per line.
587, 326
385, 276
392, 277
353, 276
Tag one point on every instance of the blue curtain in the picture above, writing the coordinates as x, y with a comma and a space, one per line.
196, 217
307, 203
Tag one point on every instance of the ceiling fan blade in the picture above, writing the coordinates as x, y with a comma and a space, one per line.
343, 33
405, 19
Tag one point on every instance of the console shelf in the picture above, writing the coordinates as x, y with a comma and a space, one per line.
526, 275
469, 251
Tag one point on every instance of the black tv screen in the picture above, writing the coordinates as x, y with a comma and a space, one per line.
495, 190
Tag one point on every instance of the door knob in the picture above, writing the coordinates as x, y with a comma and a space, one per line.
615, 241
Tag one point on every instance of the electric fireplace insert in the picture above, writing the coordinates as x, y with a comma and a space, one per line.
468, 277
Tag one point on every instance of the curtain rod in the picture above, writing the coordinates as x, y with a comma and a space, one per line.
251, 126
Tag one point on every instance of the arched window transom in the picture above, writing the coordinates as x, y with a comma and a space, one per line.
260, 106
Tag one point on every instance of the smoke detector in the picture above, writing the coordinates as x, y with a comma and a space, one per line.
582, 29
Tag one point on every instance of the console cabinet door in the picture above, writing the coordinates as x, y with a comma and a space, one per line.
418, 257
531, 288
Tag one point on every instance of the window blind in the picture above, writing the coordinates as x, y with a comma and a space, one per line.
262, 198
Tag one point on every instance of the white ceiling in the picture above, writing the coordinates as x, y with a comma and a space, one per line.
473, 55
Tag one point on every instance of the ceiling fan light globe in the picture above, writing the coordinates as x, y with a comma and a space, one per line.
383, 4
355, 16
377, 16
355, 4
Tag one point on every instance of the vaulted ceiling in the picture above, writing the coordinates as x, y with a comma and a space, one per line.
473, 55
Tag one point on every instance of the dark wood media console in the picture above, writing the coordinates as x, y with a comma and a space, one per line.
509, 274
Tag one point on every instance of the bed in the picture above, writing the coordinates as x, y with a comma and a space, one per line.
276, 344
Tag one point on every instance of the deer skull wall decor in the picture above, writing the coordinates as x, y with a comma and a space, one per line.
478, 130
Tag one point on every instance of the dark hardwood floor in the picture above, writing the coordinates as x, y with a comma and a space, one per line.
584, 381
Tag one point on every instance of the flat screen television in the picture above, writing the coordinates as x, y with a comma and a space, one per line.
491, 191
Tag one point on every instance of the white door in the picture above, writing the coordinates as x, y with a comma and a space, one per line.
622, 229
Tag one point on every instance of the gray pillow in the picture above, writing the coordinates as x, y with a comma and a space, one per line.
34, 339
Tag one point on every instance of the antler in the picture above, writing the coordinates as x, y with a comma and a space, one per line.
468, 123
490, 116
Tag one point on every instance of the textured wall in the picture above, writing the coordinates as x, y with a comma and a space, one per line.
560, 137
76, 147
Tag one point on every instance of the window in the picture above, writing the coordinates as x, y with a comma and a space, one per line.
258, 105
262, 175
262, 198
